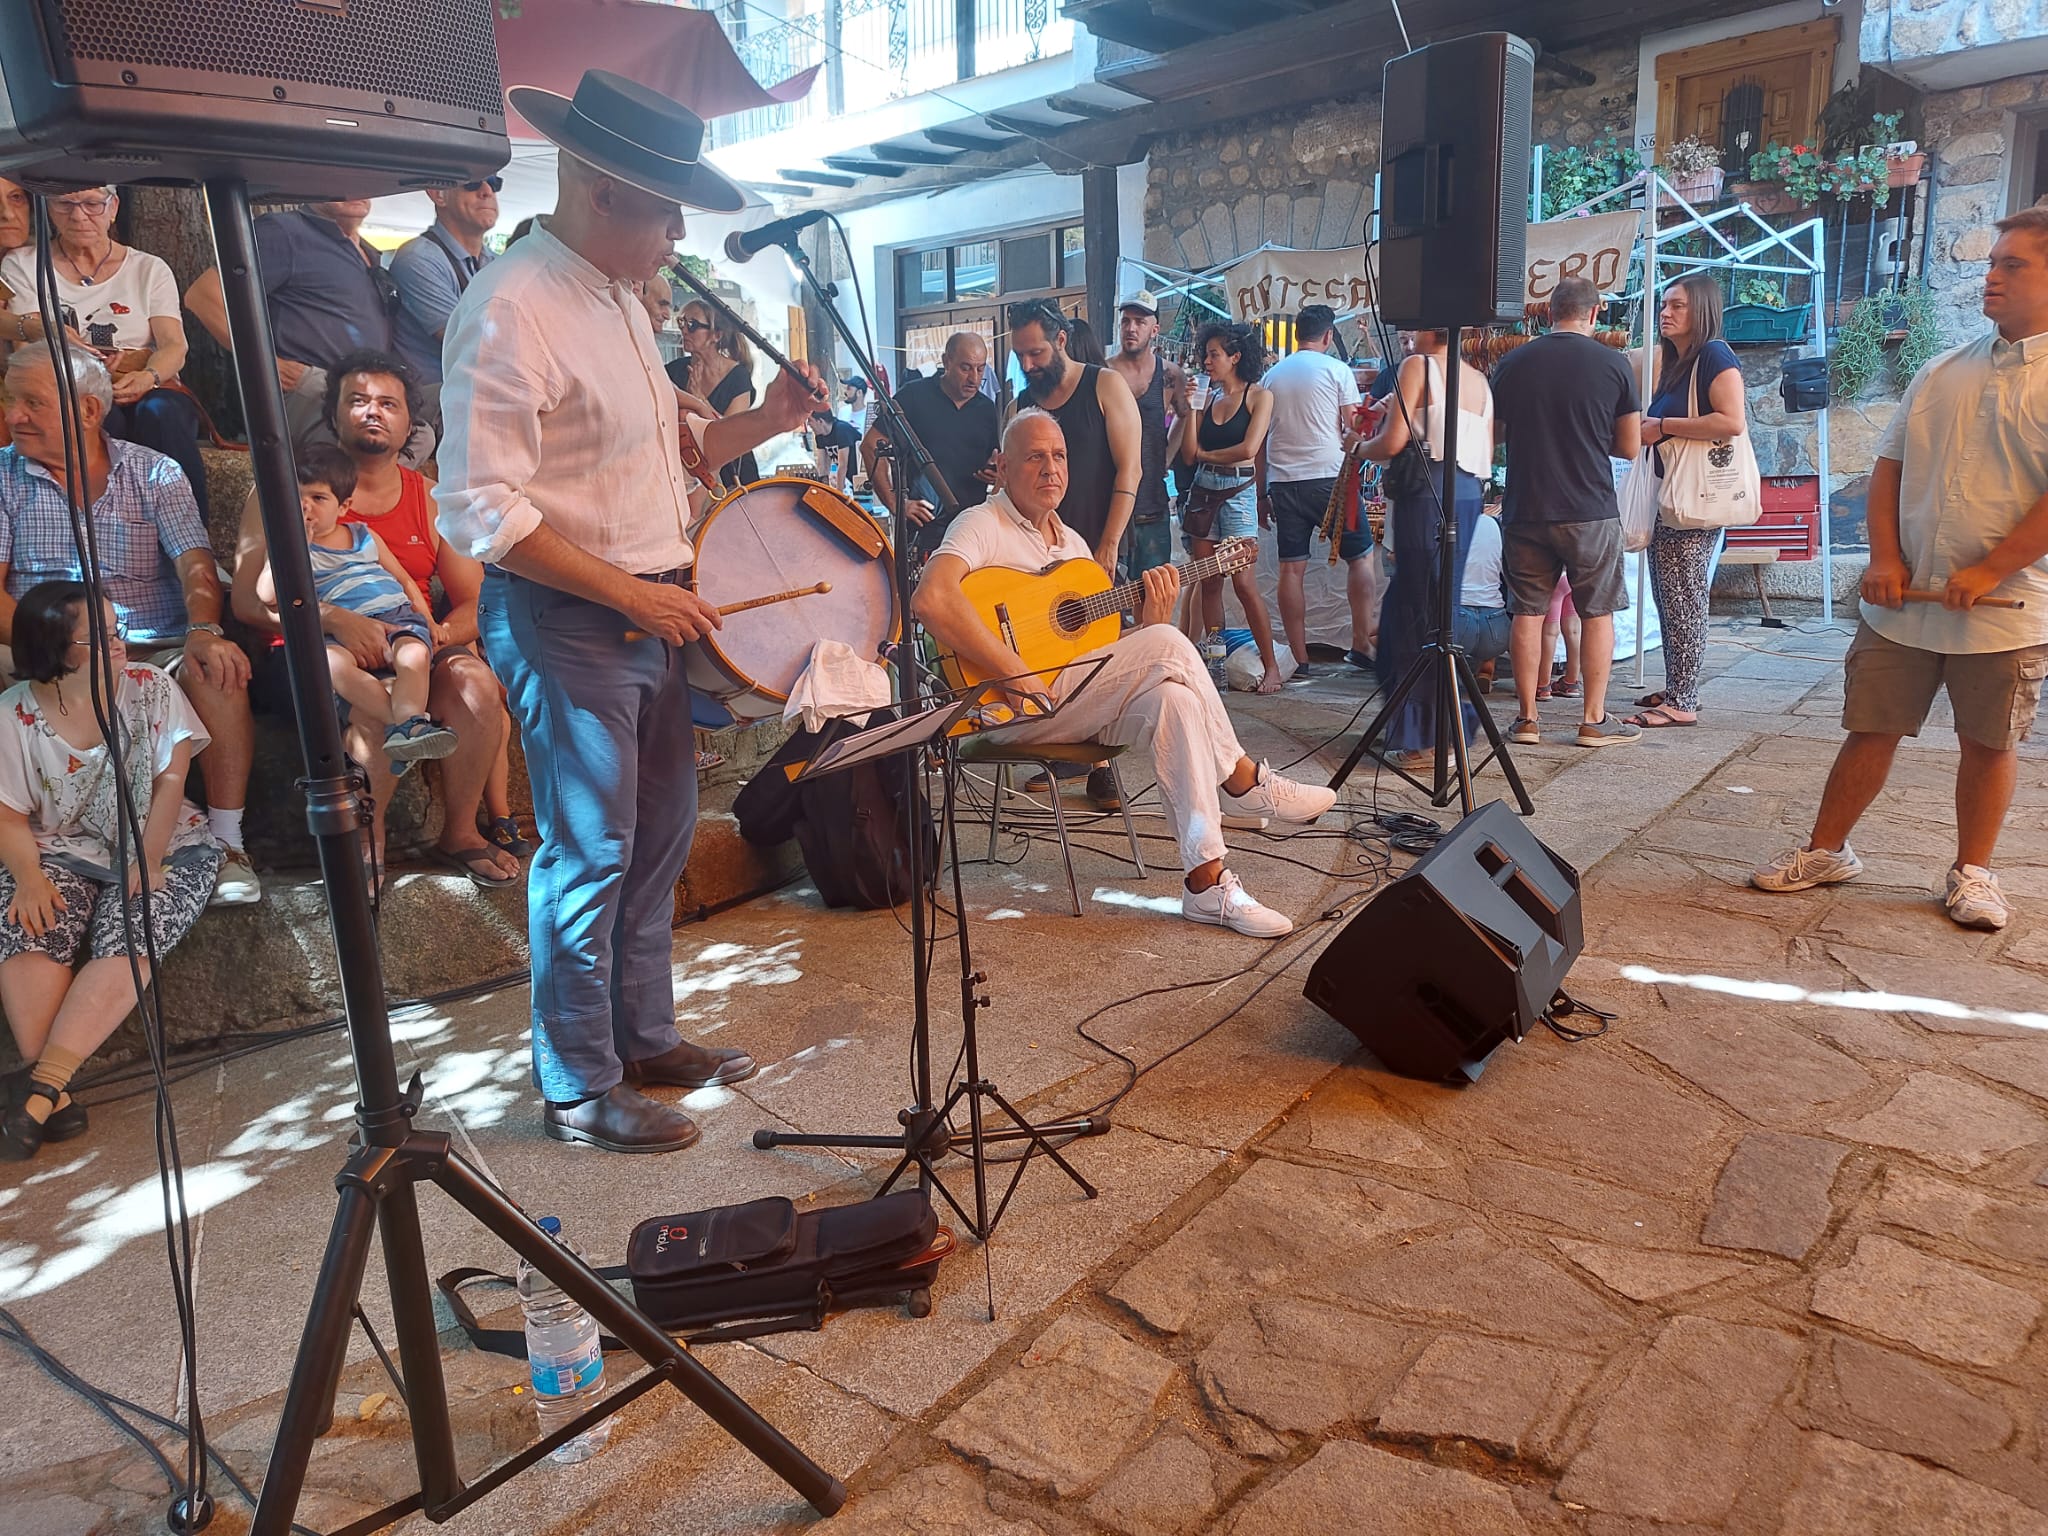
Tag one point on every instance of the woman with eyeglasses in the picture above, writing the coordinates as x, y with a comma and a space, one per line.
717, 366
123, 304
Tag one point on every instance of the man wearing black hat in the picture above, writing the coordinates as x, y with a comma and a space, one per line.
567, 470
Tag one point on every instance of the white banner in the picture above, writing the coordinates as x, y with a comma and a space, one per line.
1280, 282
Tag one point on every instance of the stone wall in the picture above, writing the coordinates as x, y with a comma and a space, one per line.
1905, 32
1303, 178
1969, 135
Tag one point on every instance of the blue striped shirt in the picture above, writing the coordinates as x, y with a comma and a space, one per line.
143, 522
353, 578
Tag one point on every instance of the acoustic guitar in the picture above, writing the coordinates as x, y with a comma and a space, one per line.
1050, 617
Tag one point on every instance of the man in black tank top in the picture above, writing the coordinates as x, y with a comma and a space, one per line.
1098, 414
1159, 386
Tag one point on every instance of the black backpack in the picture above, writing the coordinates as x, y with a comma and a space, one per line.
853, 826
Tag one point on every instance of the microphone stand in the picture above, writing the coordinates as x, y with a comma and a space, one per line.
926, 1135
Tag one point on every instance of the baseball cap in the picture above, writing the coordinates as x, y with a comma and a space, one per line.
1142, 299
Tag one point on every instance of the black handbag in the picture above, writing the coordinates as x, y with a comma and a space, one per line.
1409, 472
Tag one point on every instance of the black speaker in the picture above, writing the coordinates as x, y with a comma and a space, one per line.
1460, 954
309, 98
1454, 182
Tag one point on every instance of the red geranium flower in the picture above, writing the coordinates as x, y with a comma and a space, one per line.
1798, 149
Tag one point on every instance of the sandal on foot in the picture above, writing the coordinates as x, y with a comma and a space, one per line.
1651, 701
477, 864
1564, 690
503, 832
1658, 718
1544, 693
419, 737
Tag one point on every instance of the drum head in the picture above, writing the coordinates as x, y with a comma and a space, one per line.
774, 536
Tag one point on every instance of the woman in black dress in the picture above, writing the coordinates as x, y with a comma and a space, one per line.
718, 368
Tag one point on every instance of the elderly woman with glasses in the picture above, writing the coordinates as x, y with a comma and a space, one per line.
717, 366
123, 304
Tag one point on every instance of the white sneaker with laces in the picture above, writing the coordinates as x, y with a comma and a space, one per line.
1227, 904
1281, 799
236, 884
1800, 869
1974, 900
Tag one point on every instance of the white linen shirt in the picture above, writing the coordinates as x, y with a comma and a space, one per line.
1972, 437
557, 410
996, 533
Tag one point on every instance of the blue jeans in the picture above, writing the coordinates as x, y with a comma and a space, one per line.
1483, 632
606, 729
1409, 616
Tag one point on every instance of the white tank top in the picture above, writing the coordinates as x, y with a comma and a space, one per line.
1475, 428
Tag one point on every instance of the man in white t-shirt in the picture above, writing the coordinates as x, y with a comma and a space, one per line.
1154, 689
1313, 398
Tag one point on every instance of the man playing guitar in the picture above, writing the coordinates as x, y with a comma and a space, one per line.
1154, 689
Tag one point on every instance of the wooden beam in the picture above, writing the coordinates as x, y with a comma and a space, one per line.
928, 179
819, 178
1135, 26
953, 138
853, 165
1074, 106
1023, 128
1199, 15
911, 154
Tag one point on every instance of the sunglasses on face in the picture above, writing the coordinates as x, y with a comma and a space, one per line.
693, 325
495, 183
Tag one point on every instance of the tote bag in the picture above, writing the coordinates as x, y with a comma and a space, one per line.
1639, 508
1710, 484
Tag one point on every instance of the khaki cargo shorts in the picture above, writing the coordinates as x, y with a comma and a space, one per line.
1890, 687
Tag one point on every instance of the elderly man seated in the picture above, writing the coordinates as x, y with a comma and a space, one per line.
154, 560
1154, 690
371, 401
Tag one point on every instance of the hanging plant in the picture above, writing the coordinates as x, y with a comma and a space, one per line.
1572, 175
1858, 356
1924, 339
1800, 169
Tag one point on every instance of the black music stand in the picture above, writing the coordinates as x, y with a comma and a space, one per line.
927, 1133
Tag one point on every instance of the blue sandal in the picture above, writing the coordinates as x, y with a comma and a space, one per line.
419, 737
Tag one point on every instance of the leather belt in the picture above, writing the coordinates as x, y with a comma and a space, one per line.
679, 576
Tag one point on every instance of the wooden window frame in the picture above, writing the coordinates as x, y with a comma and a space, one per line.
1816, 38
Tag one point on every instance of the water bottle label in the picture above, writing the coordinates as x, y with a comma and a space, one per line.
566, 1378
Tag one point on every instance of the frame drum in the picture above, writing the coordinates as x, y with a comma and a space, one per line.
776, 535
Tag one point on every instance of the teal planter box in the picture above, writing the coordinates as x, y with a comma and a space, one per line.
1759, 324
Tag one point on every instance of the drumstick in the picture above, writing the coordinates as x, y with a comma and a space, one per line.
1914, 596
753, 602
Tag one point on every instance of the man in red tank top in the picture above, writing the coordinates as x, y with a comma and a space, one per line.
370, 400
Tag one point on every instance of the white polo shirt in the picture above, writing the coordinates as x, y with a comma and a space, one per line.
1971, 436
996, 533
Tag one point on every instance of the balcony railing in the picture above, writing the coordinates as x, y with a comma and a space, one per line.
877, 51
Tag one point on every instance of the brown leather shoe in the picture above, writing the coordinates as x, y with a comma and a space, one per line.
622, 1121
691, 1066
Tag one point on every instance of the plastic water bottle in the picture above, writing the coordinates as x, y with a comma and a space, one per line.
564, 1356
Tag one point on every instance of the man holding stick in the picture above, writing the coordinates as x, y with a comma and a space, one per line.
567, 470
1956, 594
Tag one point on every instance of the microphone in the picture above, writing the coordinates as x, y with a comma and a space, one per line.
743, 245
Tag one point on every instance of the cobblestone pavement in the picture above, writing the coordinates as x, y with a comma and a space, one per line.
1770, 1257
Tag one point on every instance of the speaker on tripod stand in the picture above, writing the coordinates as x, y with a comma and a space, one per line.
1454, 177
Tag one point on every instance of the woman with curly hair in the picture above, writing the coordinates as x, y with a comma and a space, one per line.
1224, 448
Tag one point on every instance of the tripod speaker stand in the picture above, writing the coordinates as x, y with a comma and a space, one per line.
390, 1158
1441, 667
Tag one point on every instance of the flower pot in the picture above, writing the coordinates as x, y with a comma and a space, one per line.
1904, 173
1762, 325
1698, 190
1770, 197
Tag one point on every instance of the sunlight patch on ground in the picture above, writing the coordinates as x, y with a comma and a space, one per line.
417, 1024
1867, 1002
803, 1061
1109, 896
478, 1087
296, 1125
718, 968
1003, 914
113, 1218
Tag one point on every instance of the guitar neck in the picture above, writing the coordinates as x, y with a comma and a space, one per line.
1119, 598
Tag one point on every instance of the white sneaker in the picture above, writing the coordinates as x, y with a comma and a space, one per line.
1282, 799
1228, 904
1800, 869
236, 884
1974, 899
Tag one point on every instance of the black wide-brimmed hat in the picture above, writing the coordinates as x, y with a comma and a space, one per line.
628, 131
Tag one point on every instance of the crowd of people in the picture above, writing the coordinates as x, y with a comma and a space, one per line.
443, 625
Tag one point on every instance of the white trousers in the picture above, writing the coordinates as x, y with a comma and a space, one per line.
1154, 691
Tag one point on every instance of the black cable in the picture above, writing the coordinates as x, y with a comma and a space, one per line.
192, 1505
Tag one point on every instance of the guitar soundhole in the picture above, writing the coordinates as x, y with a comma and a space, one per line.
1070, 615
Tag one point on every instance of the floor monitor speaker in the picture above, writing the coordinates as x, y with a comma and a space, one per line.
313, 99
1454, 182
1462, 953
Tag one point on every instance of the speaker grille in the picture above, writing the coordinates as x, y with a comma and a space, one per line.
430, 51
1517, 106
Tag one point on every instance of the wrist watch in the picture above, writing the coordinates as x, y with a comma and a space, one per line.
206, 629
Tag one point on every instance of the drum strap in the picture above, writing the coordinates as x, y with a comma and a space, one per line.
693, 458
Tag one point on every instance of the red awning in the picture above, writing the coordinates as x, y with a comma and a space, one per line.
683, 54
